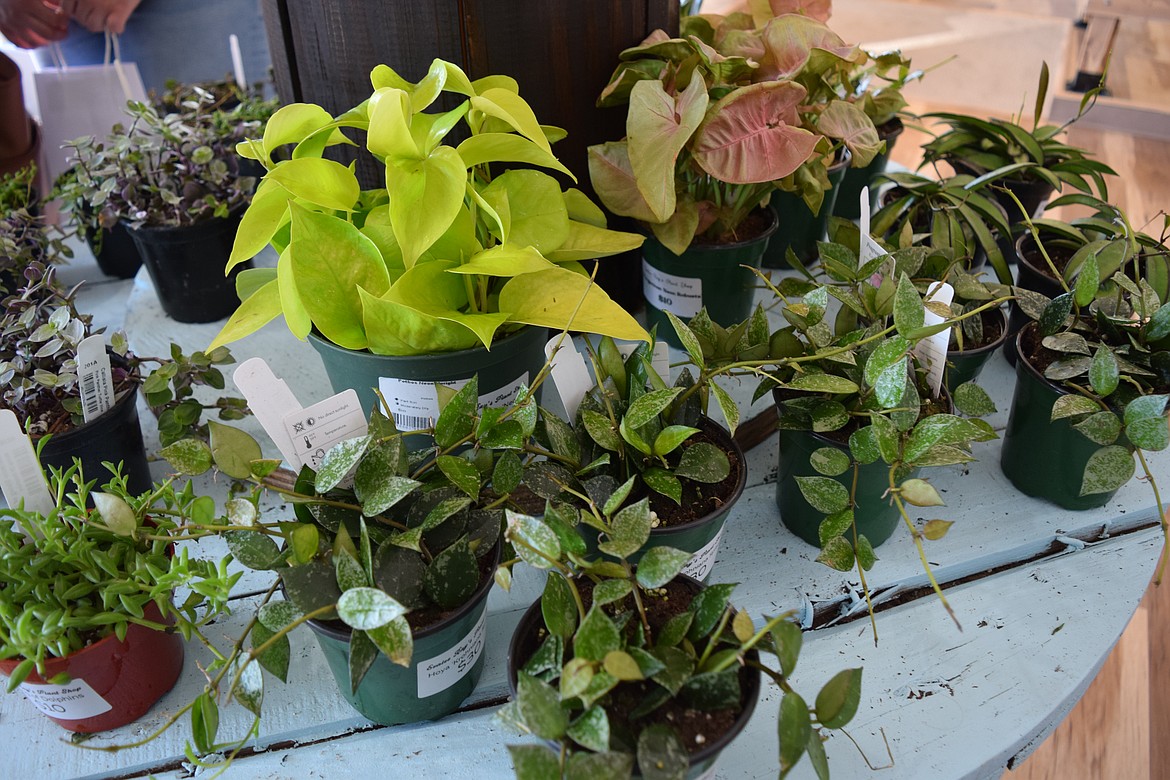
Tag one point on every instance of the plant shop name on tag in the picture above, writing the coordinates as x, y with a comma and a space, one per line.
414, 405
317, 428
682, 296
441, 672
75, 700
21, 478
94, 378
701, 562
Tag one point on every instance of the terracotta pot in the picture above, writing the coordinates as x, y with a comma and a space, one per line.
112, 683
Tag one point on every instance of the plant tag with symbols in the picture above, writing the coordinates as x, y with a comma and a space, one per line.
315, 429
21, 478
271, 401
94, 377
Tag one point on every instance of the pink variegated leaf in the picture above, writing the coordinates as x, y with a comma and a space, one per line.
751, 135
763, 10
613, 181
789, 41
846, 122
658, 126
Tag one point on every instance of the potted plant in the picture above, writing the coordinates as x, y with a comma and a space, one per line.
640, 670
25, 238
176, 184
434, 276
1091, 385
89, 631
1030, 163
43, 383
635, 438
716, 120
390, 568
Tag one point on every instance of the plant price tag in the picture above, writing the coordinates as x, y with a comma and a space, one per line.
76, 700
94, 377
271, 401
315, 429
682, 296
701, 562
414, 405
21, 478
444, 670
932, 351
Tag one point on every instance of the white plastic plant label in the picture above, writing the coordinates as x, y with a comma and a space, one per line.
701, 563
76, 700
315, 429
21, 478
869, 247
569, 373
271, 401
659, 361
932, 351
94, 377
414, 405
441, 672
682, 296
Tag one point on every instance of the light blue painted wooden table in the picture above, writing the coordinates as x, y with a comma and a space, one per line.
1042, 595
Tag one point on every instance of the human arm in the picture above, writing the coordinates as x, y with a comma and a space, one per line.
32, 23
100, 15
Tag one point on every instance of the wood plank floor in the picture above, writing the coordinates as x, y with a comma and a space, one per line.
1121, 728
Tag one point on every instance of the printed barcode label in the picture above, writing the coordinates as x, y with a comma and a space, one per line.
95, 378
414, 405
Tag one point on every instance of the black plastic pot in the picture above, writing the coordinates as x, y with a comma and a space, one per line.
187, 265
847, 201
965, 365
1042, 457
526, 640
115, 251
1032, 193
116, 437
705, 275
799, 227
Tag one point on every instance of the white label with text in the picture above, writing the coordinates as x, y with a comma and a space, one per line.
415, 405
316, 429
94, 378
682, 296
441, 672
701, 562
75, 700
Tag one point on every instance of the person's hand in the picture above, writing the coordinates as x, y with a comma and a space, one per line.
100, 15
32, 23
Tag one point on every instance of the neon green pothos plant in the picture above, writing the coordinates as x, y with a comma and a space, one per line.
450, 253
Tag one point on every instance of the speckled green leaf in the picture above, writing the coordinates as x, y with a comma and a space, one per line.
557, 606
703, 462
395, 640
602, 683
890, 385
349, 572
865, 554
823, 494
707, 607
712, 690
610, 765
188, 456
888, 353
837, 702
834, 525
1073, 343
630, 530
364, 608
863, 445
452, 576
1055, 313
837, 554
609, 591
1072, 405
596, 637
660, 754
534, 762
660, 565
649, 406
909, 312
253, 549
727, 405
233, 450
674, 630
276, 658
670, 437
822, 383
677, 668
1101, 427
787, 638
1159, 325
1108, 469
829, 416
461, 472
1088, 280
1068, 368
362, 654
662, 481
575, 677
591, 730
540, 707
457, 419
829, 461
507, 473
338, 461
535, 543
1104, 374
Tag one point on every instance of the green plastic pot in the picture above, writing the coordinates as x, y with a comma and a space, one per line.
799, 227
700, 537
966, 365
513, 360
710, 275
444, 669
876, 519
847, 201
527, 638
1042, 457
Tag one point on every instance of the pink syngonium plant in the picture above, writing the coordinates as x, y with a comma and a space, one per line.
719, 118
